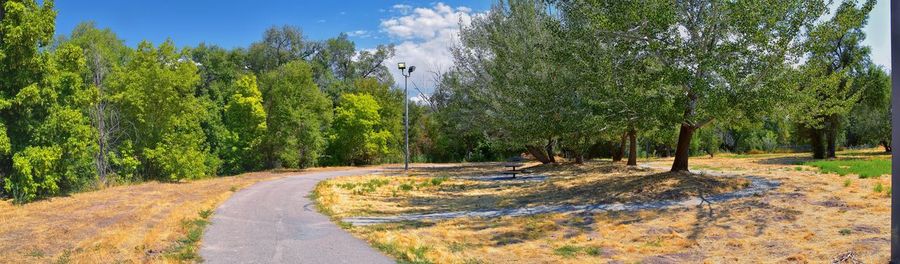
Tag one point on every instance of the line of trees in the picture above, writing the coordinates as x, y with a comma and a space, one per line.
578, 79
586, 78
85, 110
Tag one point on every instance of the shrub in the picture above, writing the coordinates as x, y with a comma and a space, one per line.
33, 175
438, 181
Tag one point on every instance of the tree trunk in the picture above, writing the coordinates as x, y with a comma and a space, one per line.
550, 155
817, 145
886, 145
683, 150
538, 154
579, 158
632, 149
831, 132
619, 152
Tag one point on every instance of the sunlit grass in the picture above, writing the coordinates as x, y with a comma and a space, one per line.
863, 168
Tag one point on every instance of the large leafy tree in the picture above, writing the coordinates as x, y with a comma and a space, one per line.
836, 57
279, 46
155, 93
625, 73
245, 120
46, 141
534, 99
358, 135
298, 114
870, 119
103, 51
727, 57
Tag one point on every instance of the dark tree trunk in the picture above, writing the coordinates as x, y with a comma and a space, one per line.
579, 158
831, 133
550, 155
619, 152
886, 145
632, 148
832, 140
683, 150
818, 145
538, 154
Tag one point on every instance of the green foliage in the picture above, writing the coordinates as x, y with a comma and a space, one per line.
298, 116
155, 91
357, 135
125, 163
863, 168
245, 118
34, 174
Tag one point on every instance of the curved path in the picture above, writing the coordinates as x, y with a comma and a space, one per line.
275, 222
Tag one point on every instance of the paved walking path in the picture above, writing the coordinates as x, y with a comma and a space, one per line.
758, 185
275, 222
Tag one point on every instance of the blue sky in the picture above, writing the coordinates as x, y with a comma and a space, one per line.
422, 30
238, 23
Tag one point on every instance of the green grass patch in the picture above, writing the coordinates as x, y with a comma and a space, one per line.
567, 251
863, 168
570, 251
413, 255
186, 248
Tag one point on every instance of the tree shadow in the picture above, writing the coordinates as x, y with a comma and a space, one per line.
613, 189
785, 160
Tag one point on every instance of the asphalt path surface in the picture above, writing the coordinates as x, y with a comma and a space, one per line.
275, 222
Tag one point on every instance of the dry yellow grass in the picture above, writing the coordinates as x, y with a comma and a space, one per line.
811, 218
131, 224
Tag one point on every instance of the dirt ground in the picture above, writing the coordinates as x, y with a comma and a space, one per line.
130, 224
812, 217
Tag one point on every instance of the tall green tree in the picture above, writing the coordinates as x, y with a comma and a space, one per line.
245, 119
103, 51
46, 141
298, 114
728, 58
155, 92
358, 136
279, 46
836, 56
870, 119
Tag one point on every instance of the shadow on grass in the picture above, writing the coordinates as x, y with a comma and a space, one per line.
598, 190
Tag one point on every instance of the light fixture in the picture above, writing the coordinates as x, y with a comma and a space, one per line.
401, 66
411, 69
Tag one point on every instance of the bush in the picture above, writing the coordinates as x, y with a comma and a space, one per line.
33, 174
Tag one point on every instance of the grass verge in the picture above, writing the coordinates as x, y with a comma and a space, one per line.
862, 167
186, 249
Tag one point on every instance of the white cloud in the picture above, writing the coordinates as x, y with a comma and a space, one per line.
359, 34
425, 36
403, 9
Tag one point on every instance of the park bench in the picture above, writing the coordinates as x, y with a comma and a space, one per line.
513, 163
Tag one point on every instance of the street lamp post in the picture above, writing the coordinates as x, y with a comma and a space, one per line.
402, 67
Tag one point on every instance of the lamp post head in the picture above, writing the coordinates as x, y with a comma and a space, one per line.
401, 66
411, 69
